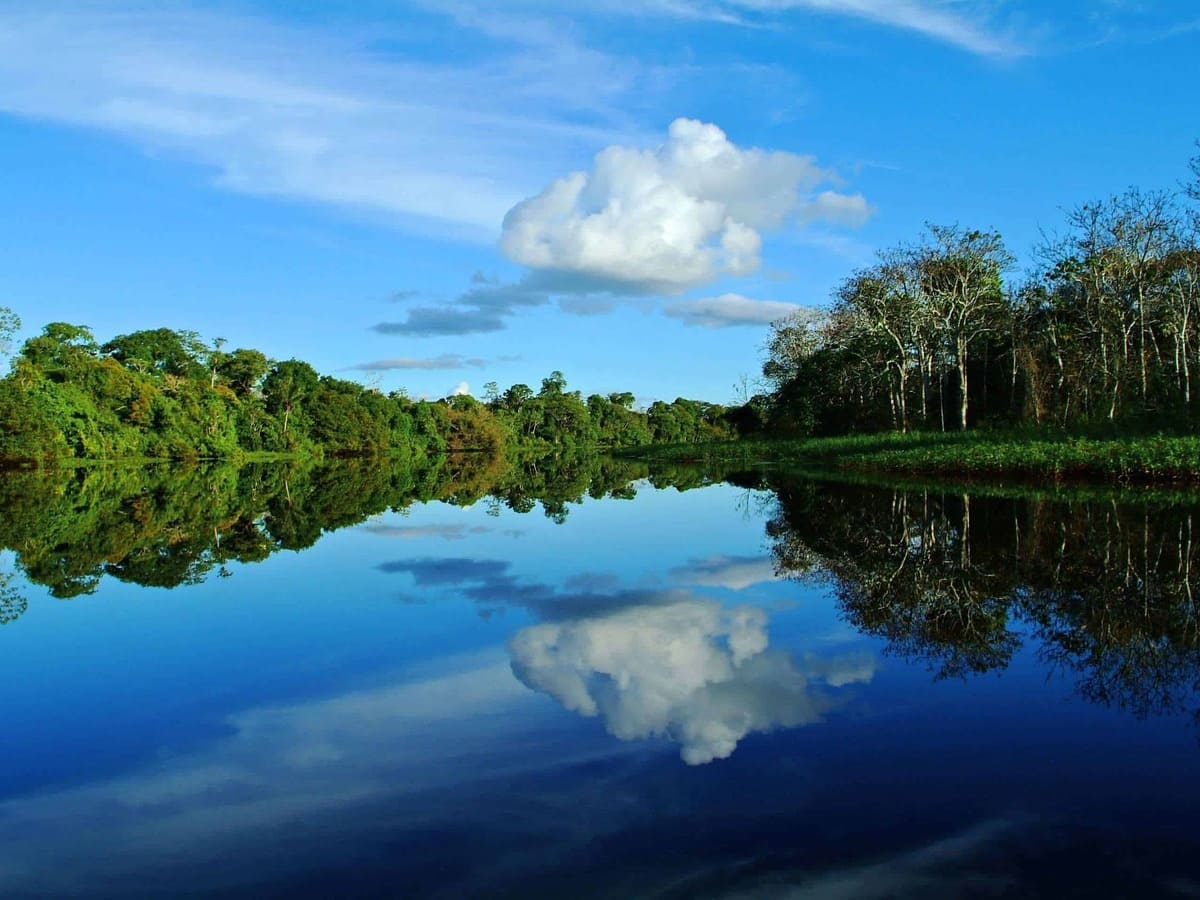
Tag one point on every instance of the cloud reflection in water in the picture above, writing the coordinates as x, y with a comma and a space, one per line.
690, 670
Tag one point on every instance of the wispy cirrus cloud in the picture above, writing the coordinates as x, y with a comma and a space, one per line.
359, 118
967, 26
273, 767
450, 531
444, 361
729, 311
970, 26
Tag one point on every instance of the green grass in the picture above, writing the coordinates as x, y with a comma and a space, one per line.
1034, 457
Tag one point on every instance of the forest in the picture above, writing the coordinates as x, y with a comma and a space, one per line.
1103, 333
164, 394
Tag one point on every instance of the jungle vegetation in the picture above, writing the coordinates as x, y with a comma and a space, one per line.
163, 394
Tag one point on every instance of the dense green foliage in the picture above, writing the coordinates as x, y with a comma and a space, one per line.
165, 394
1105, 332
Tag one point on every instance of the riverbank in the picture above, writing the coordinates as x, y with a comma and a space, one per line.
1027, 457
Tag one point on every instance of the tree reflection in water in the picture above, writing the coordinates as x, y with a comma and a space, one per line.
167, 526
1104, 589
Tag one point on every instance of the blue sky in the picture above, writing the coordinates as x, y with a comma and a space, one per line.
427, 194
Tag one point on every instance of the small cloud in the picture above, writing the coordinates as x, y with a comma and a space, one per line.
445, 361
734, 573
588, 305
448, 570
462, 389
729, 310
592, 582
502, 297
851, 210
482, 308
425, 321
402, 296
450, 531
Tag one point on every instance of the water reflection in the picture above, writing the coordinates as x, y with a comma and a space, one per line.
12, 602
689, 670
1104, 590
278, 770
168, 526
735, 573
295, 731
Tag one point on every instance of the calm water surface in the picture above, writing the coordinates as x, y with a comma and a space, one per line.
599, 683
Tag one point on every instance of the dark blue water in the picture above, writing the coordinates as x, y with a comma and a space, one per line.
774, 688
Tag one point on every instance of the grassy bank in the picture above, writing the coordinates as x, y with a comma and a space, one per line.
1019, 456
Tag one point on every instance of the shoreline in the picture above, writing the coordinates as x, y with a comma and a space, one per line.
1018, 458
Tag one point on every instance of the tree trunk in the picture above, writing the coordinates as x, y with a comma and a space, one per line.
962, 380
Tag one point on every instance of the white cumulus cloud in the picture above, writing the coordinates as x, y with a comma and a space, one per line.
462, 389
729, 310
691, 671
664, 219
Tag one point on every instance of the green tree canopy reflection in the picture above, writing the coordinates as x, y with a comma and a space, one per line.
1104, 590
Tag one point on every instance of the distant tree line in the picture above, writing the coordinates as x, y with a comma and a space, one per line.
1105, 331
161, 393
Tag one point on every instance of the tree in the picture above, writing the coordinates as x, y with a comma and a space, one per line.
553, 384
516, 396
214, 357
59, 346
243, 370
160, 350
962, 272
10, 324
886, 304
287, 387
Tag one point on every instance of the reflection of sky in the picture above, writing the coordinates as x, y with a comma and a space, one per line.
689, 669
355, 707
